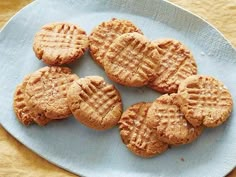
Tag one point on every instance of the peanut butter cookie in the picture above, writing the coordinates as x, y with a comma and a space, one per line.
176, 64
137, 135
60, 43
46, 91
23, 112
169, 122
132, 60
95, 103
104, 34
204, 100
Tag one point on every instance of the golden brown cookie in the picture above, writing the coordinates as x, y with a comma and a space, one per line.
23, 112
176, 64
137, 135
46, 91
169, 123
204, 100
60, 43
104, 34
95, 103
132, 60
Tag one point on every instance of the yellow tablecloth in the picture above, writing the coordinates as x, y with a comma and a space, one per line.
18, 161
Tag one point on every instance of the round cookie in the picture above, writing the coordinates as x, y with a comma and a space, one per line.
104, 34
204, 100
176, 64
137, 135
46, 91
169, 122
132, 60
60, 43
23, 112
95, 103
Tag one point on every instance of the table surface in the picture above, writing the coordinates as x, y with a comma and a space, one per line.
17, 160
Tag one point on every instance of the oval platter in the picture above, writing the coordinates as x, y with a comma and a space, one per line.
86, 152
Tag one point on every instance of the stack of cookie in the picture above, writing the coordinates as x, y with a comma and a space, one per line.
53, 93
167, 66
42, 96
179, 118
191, 102
130, 59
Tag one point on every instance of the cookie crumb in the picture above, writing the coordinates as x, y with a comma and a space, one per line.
202, 54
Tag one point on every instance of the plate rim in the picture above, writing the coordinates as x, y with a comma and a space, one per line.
204, 20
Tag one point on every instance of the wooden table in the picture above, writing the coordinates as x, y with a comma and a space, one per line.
17, 160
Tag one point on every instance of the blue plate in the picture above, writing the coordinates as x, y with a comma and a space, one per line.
80, 150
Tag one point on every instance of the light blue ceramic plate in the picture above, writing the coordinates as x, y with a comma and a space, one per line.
78, 149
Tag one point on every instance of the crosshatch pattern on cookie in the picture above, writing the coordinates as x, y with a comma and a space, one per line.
176, 64
47, 91
169, 122
132, 60
104, 35
20, 107
137, 135
60, 43
97, 104
23, 111
205, 100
